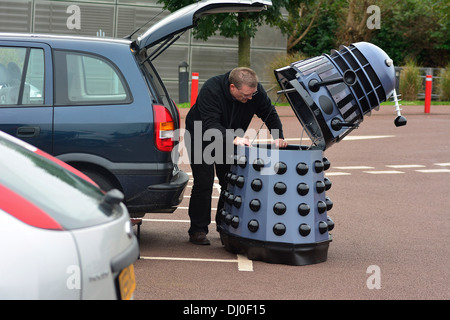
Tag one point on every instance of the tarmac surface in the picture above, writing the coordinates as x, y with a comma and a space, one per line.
391, 195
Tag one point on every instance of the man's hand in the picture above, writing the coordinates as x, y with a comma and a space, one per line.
280, 143
241, 141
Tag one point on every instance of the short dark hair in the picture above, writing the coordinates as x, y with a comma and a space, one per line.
242, 75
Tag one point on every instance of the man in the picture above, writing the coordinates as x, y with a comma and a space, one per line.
225, 102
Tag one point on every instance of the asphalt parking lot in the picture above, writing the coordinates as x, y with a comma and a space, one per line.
390, 189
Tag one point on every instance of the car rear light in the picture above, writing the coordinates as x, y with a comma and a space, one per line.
25, 211
164, 128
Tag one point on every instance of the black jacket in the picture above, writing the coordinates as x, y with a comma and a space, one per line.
216, 108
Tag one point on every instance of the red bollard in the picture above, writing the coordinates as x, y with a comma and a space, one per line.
194, 88
428, 87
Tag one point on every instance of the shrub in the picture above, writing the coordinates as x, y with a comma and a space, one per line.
445, 83
410, 81
282, 60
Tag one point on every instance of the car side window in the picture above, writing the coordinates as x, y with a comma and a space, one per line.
21, 76
85, 79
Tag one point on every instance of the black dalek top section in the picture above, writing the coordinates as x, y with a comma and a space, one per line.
330, 94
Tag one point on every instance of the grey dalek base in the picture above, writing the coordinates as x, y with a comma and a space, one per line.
276, 208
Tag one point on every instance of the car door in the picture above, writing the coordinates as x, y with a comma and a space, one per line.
26, 102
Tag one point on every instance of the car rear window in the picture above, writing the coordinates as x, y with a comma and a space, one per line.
72, 201
87, 79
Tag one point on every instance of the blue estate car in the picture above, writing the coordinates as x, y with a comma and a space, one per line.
99, 104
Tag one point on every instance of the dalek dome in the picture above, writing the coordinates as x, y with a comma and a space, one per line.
331, 94
382, 63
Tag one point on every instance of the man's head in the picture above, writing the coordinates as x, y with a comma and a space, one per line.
243, 84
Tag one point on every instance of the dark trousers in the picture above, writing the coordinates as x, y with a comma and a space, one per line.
200, 203
202, 190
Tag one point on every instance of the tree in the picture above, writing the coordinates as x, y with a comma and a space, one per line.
229, 25
416, 29
352, 27
301, 18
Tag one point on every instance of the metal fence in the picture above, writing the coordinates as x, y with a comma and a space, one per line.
436, 89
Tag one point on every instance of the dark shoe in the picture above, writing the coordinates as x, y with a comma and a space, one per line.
199, 238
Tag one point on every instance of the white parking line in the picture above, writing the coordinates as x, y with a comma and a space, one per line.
366, 137
404, 166
367, 168
354, 168
217, 186
384, 172
337, 173
286, 139
243, 263
186, 208
213, 197
167, 220
192, 179
348, 138
434, 170
189, 259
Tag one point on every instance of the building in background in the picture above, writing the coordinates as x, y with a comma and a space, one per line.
119, 18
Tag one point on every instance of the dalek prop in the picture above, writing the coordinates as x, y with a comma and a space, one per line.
276, 208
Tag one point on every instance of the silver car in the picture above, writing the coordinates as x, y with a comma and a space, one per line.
61, 237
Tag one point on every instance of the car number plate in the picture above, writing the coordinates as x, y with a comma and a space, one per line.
127, 282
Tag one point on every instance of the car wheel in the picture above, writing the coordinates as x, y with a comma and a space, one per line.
100, 179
